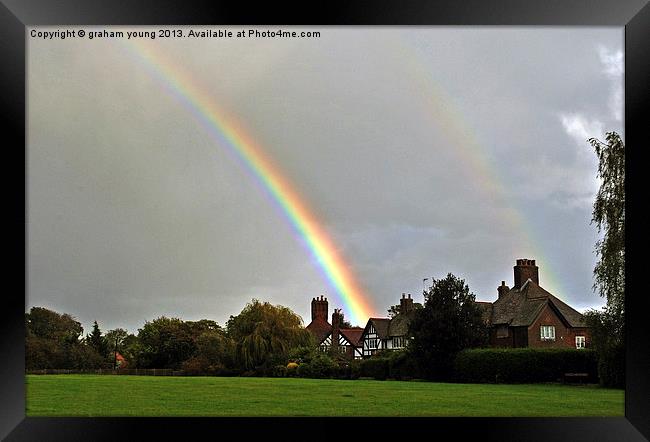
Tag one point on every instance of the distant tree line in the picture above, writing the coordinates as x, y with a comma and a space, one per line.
270, 340
255, 341
263, 339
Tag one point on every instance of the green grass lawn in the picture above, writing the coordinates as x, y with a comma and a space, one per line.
97, 395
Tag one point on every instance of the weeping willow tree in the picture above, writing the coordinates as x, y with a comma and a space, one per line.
264, 334
609, 217
608, 325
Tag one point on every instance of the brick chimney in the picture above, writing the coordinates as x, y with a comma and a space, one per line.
319, 308
503, 289
337, 320
405, 304
524, 270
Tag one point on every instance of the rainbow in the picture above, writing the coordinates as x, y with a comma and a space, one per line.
481, 168
227, 131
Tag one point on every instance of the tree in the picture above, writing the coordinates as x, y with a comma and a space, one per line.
449, 322
53, 341
213, 353
608, 326
609, 216
115, 343
263, 334
393, 311
97, 341
116, 338
164, 343
130, 348
44, 323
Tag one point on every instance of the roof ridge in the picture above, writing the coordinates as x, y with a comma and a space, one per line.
555, 298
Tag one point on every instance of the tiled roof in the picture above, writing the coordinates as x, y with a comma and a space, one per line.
353, 335
381, 326
320, 329
520, 307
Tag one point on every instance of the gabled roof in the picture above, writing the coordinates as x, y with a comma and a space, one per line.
320, 329
520, 307
573, 317
353, 335
381, 326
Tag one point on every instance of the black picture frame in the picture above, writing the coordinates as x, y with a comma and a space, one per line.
634, 15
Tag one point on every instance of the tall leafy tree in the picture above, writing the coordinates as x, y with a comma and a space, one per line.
449, 322
165, 343
115, 339
608, 326
263, 334
45, 323
53, 341
609, 217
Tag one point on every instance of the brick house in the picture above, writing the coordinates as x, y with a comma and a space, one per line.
345, 340
526, 315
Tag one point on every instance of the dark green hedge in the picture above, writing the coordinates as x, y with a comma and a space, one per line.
375, 367
398, 365
611, 367
522, 365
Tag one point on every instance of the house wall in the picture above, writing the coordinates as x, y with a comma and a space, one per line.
564, 336
520, 336
582, 331
517, 337
500, 342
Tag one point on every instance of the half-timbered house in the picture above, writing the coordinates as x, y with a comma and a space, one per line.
389, 333
334, 337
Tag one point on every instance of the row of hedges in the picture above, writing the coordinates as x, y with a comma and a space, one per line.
521, 365
524, 365
398, 365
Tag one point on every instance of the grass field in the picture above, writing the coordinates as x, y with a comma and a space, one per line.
93, 395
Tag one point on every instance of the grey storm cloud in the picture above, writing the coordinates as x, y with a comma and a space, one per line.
422, 151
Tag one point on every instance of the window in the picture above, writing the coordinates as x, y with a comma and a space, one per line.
580, 342
502, 331
372, 343
547, 332
398, 342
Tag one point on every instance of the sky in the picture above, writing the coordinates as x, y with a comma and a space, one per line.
414, 151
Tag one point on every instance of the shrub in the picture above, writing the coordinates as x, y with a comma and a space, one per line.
375, 367
611, 367
320, 366
522, 365
402, 366
302, 354
279, 371
355, 368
